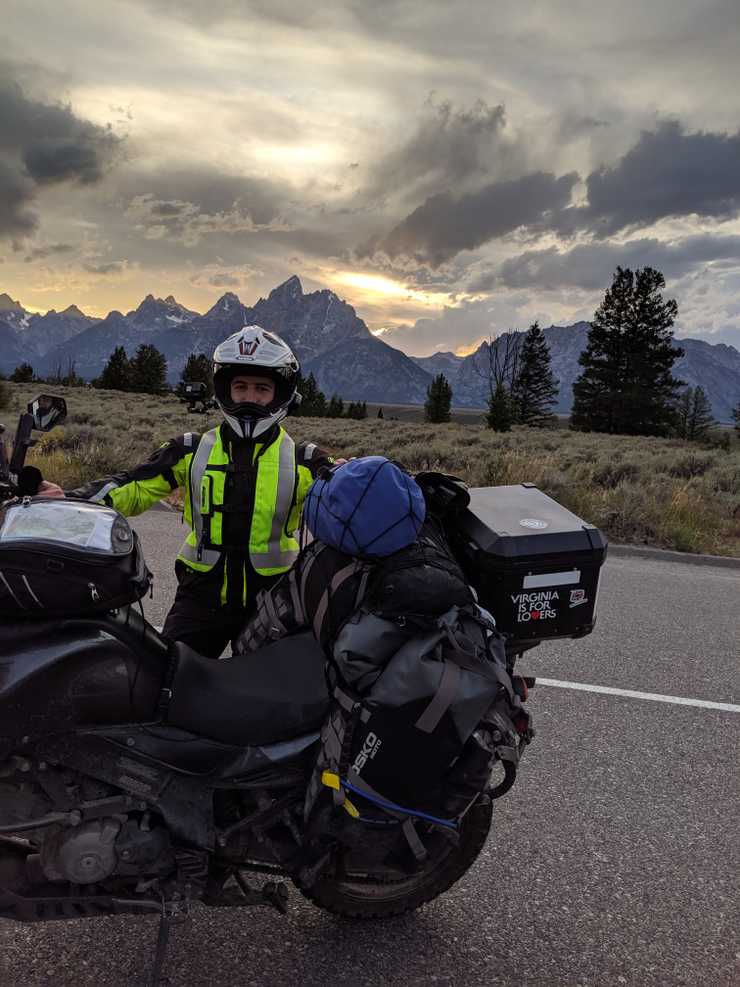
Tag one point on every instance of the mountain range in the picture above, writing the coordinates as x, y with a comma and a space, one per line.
330, 340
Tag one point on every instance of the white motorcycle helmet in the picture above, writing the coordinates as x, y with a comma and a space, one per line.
254, 350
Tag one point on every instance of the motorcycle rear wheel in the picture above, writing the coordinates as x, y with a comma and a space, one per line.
362, 897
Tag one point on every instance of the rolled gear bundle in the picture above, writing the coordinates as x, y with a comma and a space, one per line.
368, 508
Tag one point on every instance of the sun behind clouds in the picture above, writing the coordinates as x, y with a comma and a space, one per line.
376, 287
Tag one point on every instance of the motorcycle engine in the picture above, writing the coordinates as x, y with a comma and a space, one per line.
95, 850
82, 854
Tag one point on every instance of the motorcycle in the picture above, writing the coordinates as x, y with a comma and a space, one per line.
137, 776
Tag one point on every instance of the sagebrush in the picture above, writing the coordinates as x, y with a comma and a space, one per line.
664, 492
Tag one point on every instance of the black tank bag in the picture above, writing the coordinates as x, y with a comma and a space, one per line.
61, 557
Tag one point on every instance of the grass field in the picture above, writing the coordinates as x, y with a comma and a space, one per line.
662, 492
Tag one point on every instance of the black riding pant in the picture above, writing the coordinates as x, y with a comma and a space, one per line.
206, 630
198, 618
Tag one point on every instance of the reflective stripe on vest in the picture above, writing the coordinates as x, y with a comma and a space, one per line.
281, 550
271, 549
207, 557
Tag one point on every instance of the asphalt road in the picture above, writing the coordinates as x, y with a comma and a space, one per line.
614, 860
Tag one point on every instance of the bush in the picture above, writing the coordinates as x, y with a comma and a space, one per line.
611, 474
645, 490
691, 465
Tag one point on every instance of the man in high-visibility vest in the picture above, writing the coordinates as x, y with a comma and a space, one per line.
244, 485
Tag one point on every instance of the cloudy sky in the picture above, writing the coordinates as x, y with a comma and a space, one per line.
453, 168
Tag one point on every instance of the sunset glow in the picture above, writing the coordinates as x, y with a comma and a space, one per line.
375, 285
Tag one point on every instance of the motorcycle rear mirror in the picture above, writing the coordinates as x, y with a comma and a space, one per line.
47, 411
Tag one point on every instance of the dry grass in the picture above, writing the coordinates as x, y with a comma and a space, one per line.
663, 492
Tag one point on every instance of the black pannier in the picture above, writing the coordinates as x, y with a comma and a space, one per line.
62, 557
534, 564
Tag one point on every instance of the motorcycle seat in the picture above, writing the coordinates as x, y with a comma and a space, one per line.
267, 696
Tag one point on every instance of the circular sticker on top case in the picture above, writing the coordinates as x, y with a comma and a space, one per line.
533, 522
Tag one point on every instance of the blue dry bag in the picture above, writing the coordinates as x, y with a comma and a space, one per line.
367, 507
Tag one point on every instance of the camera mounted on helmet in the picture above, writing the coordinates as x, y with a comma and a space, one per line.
253, 352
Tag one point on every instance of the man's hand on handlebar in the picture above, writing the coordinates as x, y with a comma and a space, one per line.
49, 489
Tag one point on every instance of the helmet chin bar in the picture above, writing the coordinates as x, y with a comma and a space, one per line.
252, 426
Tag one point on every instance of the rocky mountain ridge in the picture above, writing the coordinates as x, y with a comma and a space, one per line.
329, 338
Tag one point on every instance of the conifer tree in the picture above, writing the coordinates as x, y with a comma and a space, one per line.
534, 389
736, 417
22, 374
4, 394
148, 370
439, 399
501, 409
380, 412
116, 375
335, 408
695, 414
313, 404
198, 367
626, 385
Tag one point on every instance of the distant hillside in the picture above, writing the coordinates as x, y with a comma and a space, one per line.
331, 340
715, 367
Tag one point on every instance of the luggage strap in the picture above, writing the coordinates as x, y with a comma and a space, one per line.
442, 698
339, 579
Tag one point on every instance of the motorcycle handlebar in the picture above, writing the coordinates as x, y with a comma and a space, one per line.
29, 481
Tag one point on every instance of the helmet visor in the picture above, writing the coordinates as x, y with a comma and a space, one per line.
224, 376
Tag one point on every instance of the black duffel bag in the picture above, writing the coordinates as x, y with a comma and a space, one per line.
62, 557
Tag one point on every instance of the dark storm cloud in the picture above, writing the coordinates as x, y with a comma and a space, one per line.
41, 144
190, 202
56, 159
53, 143
591, 266
16, 194
667, 173
444, 225
448, 147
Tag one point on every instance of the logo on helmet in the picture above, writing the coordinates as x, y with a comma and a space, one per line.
248, 349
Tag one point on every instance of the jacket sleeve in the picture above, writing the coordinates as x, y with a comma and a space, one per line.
311, 456
133, 491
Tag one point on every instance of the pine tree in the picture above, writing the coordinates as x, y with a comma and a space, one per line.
736, 417
501, 409
682, 411
335, 408
357, 410
116, 375
313, 404
380, 412
22, 374
439, 399
700, 418
4, 395
626, 385
534, 389
148, 370
198, 367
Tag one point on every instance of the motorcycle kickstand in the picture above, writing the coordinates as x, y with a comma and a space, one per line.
173, 913
160, 951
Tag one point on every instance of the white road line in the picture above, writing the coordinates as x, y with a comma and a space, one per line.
630, 694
